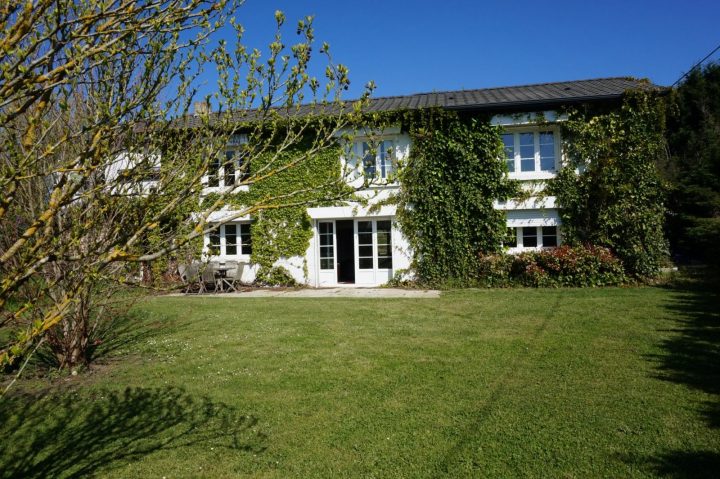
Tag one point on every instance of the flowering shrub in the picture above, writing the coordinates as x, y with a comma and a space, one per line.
563, 266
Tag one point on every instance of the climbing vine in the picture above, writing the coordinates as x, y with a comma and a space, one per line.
445, 204
282, 228
610, 192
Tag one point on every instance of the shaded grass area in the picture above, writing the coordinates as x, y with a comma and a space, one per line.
504, 383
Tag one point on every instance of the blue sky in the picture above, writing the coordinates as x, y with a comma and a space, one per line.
417, 46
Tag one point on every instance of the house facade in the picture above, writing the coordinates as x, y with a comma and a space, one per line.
358, 244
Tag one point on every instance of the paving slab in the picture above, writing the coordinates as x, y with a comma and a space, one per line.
326, 293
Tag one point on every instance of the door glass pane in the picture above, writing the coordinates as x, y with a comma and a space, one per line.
529, 237
327, 249
245, 239
365, 244
230, 239
384, 244
384, 249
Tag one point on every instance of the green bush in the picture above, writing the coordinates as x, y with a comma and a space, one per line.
276, 276
583, 266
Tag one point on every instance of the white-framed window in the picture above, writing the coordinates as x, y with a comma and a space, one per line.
227, 169
532, 237
378, 159
231, 239
375, 159
529, 152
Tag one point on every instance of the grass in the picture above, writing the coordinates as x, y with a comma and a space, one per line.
619, 382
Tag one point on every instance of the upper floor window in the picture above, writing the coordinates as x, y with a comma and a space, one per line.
377, 158
227, 169
530, 151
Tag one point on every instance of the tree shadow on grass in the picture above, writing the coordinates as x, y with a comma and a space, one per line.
116, 336
75, 435
691, 357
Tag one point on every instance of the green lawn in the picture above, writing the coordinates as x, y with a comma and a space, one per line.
504, 383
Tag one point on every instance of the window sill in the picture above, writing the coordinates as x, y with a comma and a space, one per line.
224, 189
533, 175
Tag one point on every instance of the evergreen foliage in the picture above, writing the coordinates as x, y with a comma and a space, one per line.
694, 138
445, 204
610, 192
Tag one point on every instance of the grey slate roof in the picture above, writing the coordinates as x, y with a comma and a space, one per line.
511, 98
538, 95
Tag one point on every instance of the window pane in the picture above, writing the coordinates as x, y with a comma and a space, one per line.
549, 236
245, 239
511, 238
383, 237
230, 239
366, 263
527, 139
386, 155
326, 263
529, 237
213, 172
527, 152
509, 142
368, 160
365, 251
547, 138
215, 242
547, 157
229, 167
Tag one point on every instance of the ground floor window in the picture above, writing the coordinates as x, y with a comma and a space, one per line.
532, 237
231, 239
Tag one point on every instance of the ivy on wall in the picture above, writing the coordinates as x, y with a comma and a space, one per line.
610, 192
445, 204
283, 228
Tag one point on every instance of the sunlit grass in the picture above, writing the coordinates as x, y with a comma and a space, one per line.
531, 383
